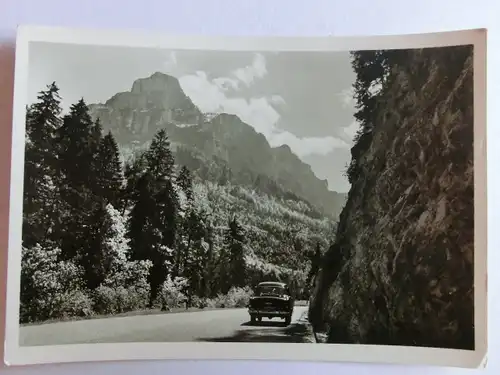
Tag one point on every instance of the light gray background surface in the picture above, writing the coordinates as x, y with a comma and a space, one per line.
259, 17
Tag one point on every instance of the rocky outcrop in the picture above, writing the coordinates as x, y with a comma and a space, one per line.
401, 269
136, 115
249, 154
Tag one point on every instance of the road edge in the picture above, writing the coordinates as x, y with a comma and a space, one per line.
309, 337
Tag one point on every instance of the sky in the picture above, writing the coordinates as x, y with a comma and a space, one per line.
302, 99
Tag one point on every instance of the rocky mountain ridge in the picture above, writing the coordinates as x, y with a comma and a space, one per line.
217, 147
401, 269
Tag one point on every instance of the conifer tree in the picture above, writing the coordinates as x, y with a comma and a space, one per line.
108, 170
234, 241
208, 282
185, 182
78, 141
40, 169
153, 221
195, 251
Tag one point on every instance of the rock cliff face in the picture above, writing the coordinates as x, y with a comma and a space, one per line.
401, 269
217, 147
135, 115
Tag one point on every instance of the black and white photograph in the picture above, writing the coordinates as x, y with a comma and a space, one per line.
267, 196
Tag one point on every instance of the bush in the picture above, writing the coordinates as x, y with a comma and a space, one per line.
211, 303
200, 303
109, 300
236, 297
172, 292
239, 297
50, 289
74, 303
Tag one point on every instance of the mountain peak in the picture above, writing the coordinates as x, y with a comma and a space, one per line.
224, 117
284, 147
157, 82
223, 140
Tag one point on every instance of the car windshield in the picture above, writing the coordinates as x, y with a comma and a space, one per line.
270, 290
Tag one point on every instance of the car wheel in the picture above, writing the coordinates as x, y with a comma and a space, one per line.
259, 319
252, 318
288, 320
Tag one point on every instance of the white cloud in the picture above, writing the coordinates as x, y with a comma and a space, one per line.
307, 146
347, 97
351, 130
225, 83
277, 99
170, 63
210, 96
248, 74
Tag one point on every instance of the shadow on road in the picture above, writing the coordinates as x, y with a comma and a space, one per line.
265, 323
295, 333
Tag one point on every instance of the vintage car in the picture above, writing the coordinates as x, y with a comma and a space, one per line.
271, 300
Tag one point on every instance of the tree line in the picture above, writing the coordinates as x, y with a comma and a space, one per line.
100, 232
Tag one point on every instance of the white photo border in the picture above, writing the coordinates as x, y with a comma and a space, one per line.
14, 354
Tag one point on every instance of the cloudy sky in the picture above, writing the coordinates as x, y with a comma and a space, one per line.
302, 99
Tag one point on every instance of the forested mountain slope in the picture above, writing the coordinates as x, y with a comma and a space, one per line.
215, 147
107, 231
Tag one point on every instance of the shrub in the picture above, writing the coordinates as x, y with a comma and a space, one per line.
236, 297
106, 300
50, 288
74, 303
115, 300
172, 292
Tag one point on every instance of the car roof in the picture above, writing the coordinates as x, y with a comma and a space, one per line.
271, 283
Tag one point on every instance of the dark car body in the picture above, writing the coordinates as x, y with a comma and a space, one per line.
271, 300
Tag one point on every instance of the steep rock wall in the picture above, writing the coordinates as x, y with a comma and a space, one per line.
401, 269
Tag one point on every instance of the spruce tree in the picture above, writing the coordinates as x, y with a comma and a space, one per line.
186, 215
195, 251
185, 182
153, 220
208, 282
234, 240
108, 171
160, 160
40, 169
78, 140
42, 122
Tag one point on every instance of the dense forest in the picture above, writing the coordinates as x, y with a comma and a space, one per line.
107, 234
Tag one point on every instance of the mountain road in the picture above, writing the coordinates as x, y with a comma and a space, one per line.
223, 325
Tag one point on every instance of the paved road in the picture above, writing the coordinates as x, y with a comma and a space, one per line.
227, 325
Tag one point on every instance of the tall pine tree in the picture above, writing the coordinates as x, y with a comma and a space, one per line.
195, 252
40, 170
187, 218
78, 140
185, 182
153, 221
108, 171
234, 241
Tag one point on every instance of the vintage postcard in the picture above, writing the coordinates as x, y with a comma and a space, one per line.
312, 199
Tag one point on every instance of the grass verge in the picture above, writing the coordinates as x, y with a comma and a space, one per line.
174, 310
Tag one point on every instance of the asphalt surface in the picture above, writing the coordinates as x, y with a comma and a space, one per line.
225, 325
